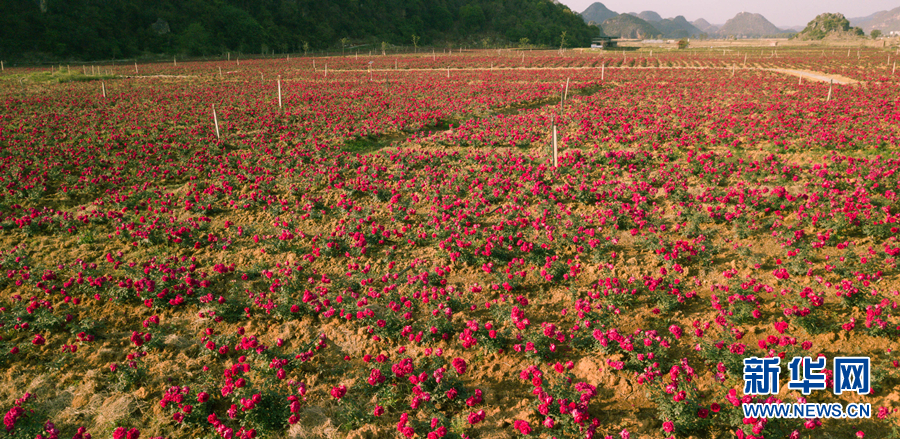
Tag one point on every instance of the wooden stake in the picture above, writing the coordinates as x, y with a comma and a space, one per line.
829, 91
326, 70
448, 71
174, 61
602, 71
135, 68
83, 70
555, 151
103, 86
895, 68
745, 60
800, 82
229, 56
566, 95
2, 68
733, 68
279, 91
216, 121
220, 72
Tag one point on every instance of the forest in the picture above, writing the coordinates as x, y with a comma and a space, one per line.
102, 30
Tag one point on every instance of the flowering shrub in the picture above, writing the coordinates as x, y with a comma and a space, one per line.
391, 247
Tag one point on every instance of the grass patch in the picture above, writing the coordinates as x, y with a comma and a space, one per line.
366, 145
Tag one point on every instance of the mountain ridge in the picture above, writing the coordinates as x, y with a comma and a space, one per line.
629, 26
747, 24
885, 21
597, 13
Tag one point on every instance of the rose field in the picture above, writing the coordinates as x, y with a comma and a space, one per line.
382, 246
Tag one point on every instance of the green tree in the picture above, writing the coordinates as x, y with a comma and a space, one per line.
196, 40
472, 17
415, 40
875, 34
683, 43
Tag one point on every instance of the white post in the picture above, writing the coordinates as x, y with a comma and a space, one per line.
800, 82
555, 163
216, 121
174, 61
448, 71
135, 68
103, 86
745, 60
220, 72
566, 95
829, 91
895, 68
602, 71
523, 57
279, 91
395, 64
314, 65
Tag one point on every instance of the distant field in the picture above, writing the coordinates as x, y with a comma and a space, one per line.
372, 247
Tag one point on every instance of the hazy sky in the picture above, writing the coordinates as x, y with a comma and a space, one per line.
779, 12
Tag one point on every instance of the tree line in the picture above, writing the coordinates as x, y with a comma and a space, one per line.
116, 29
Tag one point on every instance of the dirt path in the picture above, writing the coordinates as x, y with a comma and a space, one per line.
816, 76
805, 74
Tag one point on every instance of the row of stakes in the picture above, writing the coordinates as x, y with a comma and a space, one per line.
563, 98
433, 55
